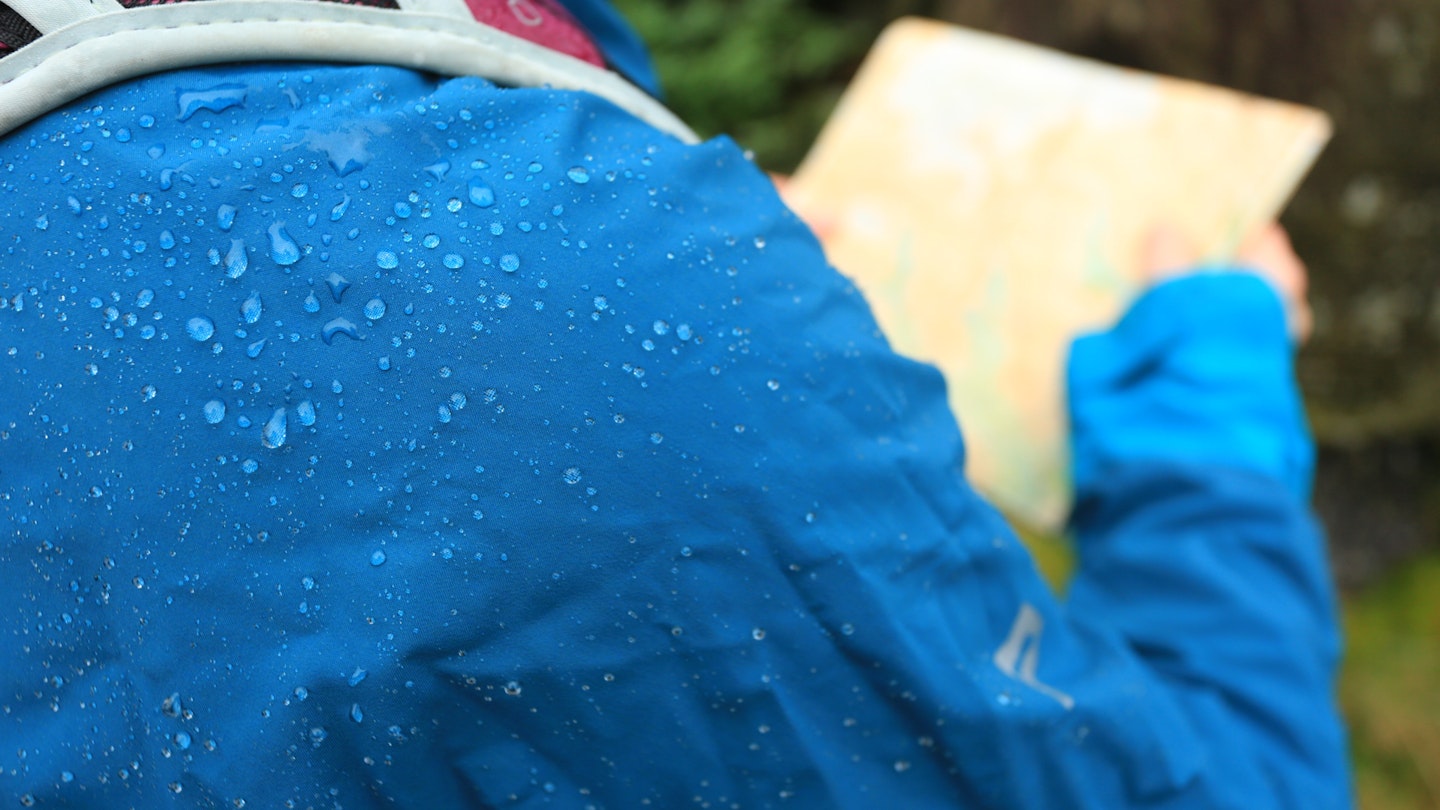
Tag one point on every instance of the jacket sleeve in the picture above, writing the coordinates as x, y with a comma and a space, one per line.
1196, 548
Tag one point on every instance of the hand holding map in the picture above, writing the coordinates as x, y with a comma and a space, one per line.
989, 198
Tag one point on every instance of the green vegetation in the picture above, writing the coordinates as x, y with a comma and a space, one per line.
1389, 687
739, 68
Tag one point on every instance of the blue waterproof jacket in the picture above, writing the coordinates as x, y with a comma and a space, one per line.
374, 440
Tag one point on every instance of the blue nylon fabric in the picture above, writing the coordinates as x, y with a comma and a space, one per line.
1212, 359
1188, 439
596, 487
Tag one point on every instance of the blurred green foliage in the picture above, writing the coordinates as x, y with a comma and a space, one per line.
1390, 688
767, 72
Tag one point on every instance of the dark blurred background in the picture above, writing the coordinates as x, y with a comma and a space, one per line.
1367, 221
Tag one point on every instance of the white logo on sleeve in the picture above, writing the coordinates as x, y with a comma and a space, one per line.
1019, 656
525, 12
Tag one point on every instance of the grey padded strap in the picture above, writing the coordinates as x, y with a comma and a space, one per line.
94, 49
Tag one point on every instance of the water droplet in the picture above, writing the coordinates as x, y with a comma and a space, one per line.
311, 304
601, 303
657, 438
225, 217
305, 412
215, 99
758, 634
339, 326
402, 210
301, 693
375, 309
509, 262
431, 241
661, 328
773, 385
572, 475
355, 713
384, 362
345, 149
200, 328
454, 205
299, 191
172, 706
376, 559
386, 260
144, 298
481, 194
578, 175
458, 401
273, 434
317, 736
444, 415
340, 208
338, 284
282, 248
249, 465
214, 411
167, 240
237, 261
182, 740
454, 261
503, 300
512, 688
254, 349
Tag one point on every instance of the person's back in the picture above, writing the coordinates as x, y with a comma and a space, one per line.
372, 439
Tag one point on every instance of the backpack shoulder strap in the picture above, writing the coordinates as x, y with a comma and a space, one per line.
83, 45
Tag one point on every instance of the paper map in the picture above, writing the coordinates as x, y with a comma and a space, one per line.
990, 197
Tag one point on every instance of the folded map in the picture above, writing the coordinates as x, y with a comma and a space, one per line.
990, 197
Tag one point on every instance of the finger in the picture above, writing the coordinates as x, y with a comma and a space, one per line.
1269, 253
824, 226
1166, 252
